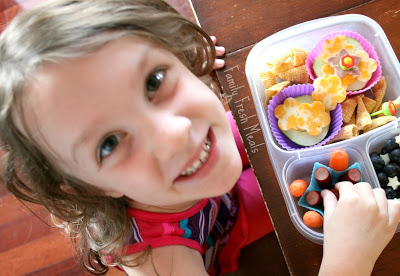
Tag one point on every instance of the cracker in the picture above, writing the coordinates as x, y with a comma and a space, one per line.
297, 74
346, 132
380, 121
363, 119
348, 107
379, 91
275, 89
268, 79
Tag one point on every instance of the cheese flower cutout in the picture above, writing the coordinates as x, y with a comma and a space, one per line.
287, 114
331, 47
329, 91
313, 117
367, 65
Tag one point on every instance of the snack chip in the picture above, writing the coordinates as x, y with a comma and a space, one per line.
369, 104
379, 91
294, 58
352, 119
329, 91
281, 64
275, 89
346, 132
363, 119
380, 121
297, 74
313, 117
299, 56
348, 107
268, 79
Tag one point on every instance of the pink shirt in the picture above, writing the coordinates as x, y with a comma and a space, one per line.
217, 227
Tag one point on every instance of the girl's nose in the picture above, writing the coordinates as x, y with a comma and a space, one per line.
169, 134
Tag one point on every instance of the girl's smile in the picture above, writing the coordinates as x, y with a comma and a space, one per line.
132, 120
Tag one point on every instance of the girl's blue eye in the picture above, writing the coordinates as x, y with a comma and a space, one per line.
153, 82
107, 146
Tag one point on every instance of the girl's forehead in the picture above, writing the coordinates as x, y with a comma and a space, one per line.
58, 87
124, 52
74, 90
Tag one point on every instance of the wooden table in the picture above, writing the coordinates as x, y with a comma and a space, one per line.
239, 25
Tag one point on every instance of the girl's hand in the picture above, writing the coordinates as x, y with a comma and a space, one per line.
220, 51
357, 228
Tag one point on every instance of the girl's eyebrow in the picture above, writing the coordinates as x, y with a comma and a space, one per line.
142, 62
82, 140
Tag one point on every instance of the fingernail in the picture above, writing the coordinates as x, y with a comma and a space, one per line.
220, 50
220, 62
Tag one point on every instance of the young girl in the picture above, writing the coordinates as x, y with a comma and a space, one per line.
105, 121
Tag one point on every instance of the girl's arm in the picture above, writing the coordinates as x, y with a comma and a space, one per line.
357, 228
173, 260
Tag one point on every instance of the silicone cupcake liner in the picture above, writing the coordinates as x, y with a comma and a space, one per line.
335, 175
296, 91
364, 43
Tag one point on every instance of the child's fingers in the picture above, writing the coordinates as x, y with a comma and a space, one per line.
381, 200
218, 64
330, 202
219, 50
394, 211
364, 189
345, 188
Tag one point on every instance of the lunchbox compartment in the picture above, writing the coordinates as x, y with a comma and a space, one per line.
290, 165
280, 43
302, 168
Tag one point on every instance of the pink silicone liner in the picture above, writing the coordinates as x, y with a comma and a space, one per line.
296, 91
364, 43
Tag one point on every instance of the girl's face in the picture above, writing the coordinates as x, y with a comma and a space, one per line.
132, 120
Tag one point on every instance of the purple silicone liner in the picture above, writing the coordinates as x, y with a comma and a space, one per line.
296, 91
364, 43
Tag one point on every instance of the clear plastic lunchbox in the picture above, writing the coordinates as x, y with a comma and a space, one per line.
295, 164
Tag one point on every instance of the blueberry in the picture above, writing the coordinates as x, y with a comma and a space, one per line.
390, 145
390, 193
397, 192
374, 154
391, 169
383, 179
377, 161
394, 155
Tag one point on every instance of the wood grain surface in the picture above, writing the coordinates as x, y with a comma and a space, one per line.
239, 25
28, 246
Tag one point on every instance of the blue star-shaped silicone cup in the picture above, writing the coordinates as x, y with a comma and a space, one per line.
335, 175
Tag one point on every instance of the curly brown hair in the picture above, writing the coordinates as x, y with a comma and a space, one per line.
98, 225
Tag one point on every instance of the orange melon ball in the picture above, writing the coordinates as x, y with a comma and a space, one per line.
298, 187
313, 219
